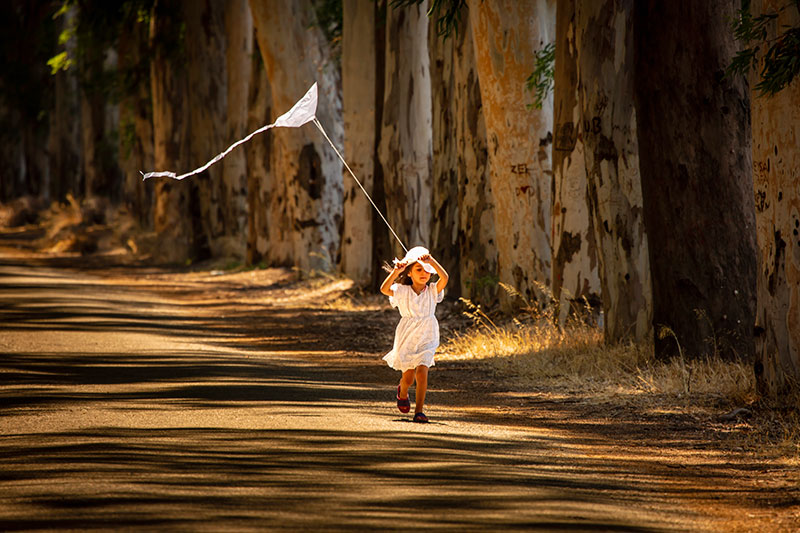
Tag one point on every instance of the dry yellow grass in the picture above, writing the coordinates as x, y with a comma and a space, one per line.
533, 350
532, 353
576, 358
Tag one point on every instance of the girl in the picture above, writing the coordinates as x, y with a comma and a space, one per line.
417, 335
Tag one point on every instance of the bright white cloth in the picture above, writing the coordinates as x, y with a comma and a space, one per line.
417, 334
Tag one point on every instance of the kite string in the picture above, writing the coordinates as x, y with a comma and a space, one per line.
316, 122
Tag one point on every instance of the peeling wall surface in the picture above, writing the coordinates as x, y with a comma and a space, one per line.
575, 263
608, 127
776, 182
506, 35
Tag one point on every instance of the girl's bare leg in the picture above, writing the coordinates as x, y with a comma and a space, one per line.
406, 381
422, 386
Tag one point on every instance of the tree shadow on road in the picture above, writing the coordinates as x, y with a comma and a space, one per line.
317, 480
134, 346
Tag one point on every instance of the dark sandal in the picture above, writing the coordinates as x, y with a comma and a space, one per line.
403, 405
420, 418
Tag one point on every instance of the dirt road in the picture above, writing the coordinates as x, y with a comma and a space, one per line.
143, 399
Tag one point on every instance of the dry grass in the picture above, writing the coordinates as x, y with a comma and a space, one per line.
90, 226
576, 358
531, 352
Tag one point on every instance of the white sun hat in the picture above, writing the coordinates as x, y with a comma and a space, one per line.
413, 255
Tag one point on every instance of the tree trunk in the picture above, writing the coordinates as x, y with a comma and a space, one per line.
99, 120
776, 173
445, 107
359, 86
239, 52
136, 123
506, 35
307, 199
575, 261
693, 126
463, 231
382, 241
65, 132
406, 130
12, 156
606, 72
260, 181
28, 38
207, 96
170, 134
92, 120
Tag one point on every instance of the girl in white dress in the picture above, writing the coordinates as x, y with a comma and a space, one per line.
417, 335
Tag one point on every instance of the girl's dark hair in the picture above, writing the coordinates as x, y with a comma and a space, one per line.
403, 278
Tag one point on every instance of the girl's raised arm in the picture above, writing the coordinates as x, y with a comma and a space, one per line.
443, 276
387, 283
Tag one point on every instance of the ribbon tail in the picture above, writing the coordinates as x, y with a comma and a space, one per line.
302, 112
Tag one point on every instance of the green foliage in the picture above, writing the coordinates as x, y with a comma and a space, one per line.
59, 62
95, 29
542, 78
447, 13
779, 57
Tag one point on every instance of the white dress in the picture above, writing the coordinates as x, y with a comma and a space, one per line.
417, 335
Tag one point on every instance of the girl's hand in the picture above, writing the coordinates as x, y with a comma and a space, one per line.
425, 258
398, 267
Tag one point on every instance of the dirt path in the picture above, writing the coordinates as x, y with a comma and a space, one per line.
136, 398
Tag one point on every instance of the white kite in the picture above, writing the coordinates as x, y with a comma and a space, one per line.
303, 112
